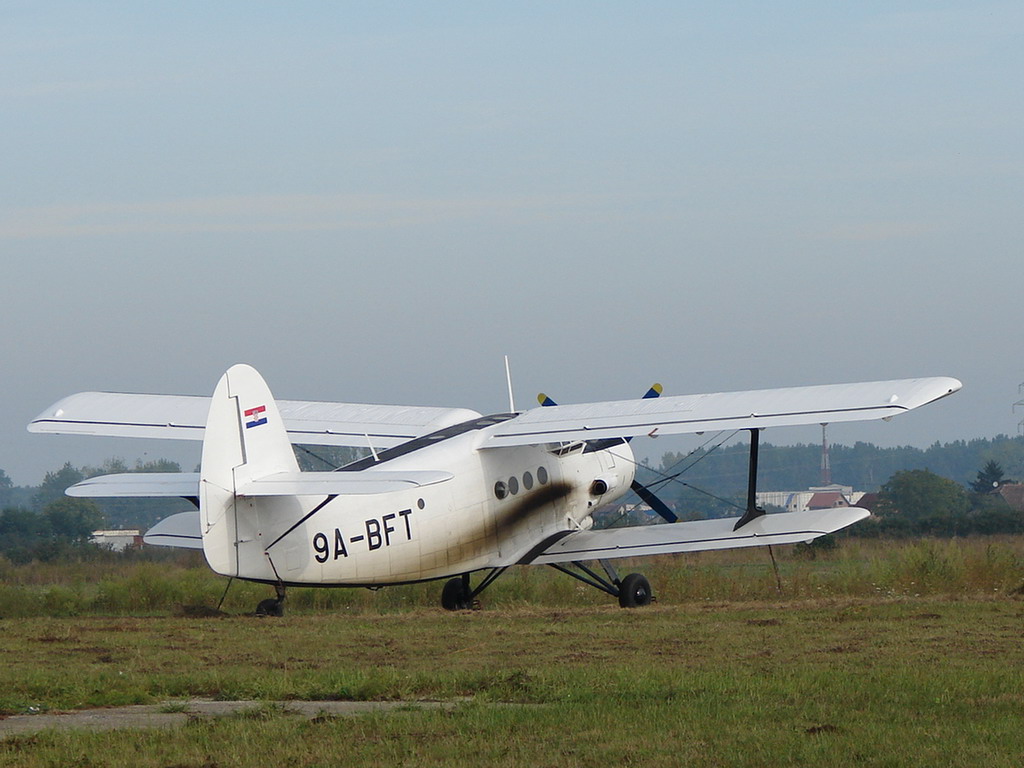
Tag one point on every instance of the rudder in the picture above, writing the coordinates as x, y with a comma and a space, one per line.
244, 440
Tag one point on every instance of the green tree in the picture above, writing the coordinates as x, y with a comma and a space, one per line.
989, 478
55, 483
21, 531
919, 494
5, 489
73, 520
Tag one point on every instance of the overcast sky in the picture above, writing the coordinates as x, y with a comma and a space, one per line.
374, 202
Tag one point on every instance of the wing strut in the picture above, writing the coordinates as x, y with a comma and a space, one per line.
753, 511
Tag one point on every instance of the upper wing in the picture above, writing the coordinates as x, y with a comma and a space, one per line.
724, 410
183, 417
779, 528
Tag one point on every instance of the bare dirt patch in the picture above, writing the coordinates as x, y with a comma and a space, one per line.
158, 716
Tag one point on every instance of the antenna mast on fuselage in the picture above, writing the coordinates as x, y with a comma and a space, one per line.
508, 379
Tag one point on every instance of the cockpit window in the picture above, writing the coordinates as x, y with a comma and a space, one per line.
564, 449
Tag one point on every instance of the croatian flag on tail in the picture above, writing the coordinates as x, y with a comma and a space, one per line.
256, 416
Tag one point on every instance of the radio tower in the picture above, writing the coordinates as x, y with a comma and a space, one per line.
826, 466
1020, 403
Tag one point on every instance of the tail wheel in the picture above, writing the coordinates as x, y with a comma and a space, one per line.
635, 591
272, 606
455, 596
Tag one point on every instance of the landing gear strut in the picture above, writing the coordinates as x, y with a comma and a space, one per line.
633, 591
272, 606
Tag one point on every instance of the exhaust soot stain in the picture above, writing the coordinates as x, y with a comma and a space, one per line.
525, 507
516, 510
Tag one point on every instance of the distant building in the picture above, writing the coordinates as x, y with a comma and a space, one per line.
1013, 494
631, 514
118, 541
820, 497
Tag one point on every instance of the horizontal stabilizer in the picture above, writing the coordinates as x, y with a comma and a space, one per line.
340, 483
186, 484
697, 536
148, 484
181, 530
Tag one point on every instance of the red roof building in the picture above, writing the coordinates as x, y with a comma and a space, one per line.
827, 500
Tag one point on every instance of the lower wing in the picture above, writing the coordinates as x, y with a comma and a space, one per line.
697, 536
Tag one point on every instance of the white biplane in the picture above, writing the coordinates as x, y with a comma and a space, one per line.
446, 493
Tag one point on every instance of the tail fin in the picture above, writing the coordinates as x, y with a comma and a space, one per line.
245, 440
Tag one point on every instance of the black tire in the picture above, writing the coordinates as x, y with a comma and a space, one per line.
270, 607
454, 596
635, 591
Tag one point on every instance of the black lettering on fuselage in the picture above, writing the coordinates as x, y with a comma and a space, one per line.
321, 548
373, 538
339, 545
377, 534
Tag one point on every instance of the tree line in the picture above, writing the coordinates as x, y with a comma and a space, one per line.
945, 490
43, 523
863, 466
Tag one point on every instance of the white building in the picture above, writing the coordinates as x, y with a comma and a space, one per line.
117, 540
821, 497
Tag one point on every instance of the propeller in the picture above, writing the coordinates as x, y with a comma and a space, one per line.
646, 494
653, 501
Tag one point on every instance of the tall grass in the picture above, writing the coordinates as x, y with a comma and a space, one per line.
856, 568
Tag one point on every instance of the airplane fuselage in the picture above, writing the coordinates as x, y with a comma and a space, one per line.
499, 504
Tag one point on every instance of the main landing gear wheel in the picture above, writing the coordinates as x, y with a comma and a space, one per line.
455, 596
635, 591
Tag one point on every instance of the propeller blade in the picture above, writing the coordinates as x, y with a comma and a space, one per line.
638, 488
653, 501
654, 391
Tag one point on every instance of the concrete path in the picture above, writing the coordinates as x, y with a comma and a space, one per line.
157, 716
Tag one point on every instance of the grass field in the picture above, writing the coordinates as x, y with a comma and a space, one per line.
917, 660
